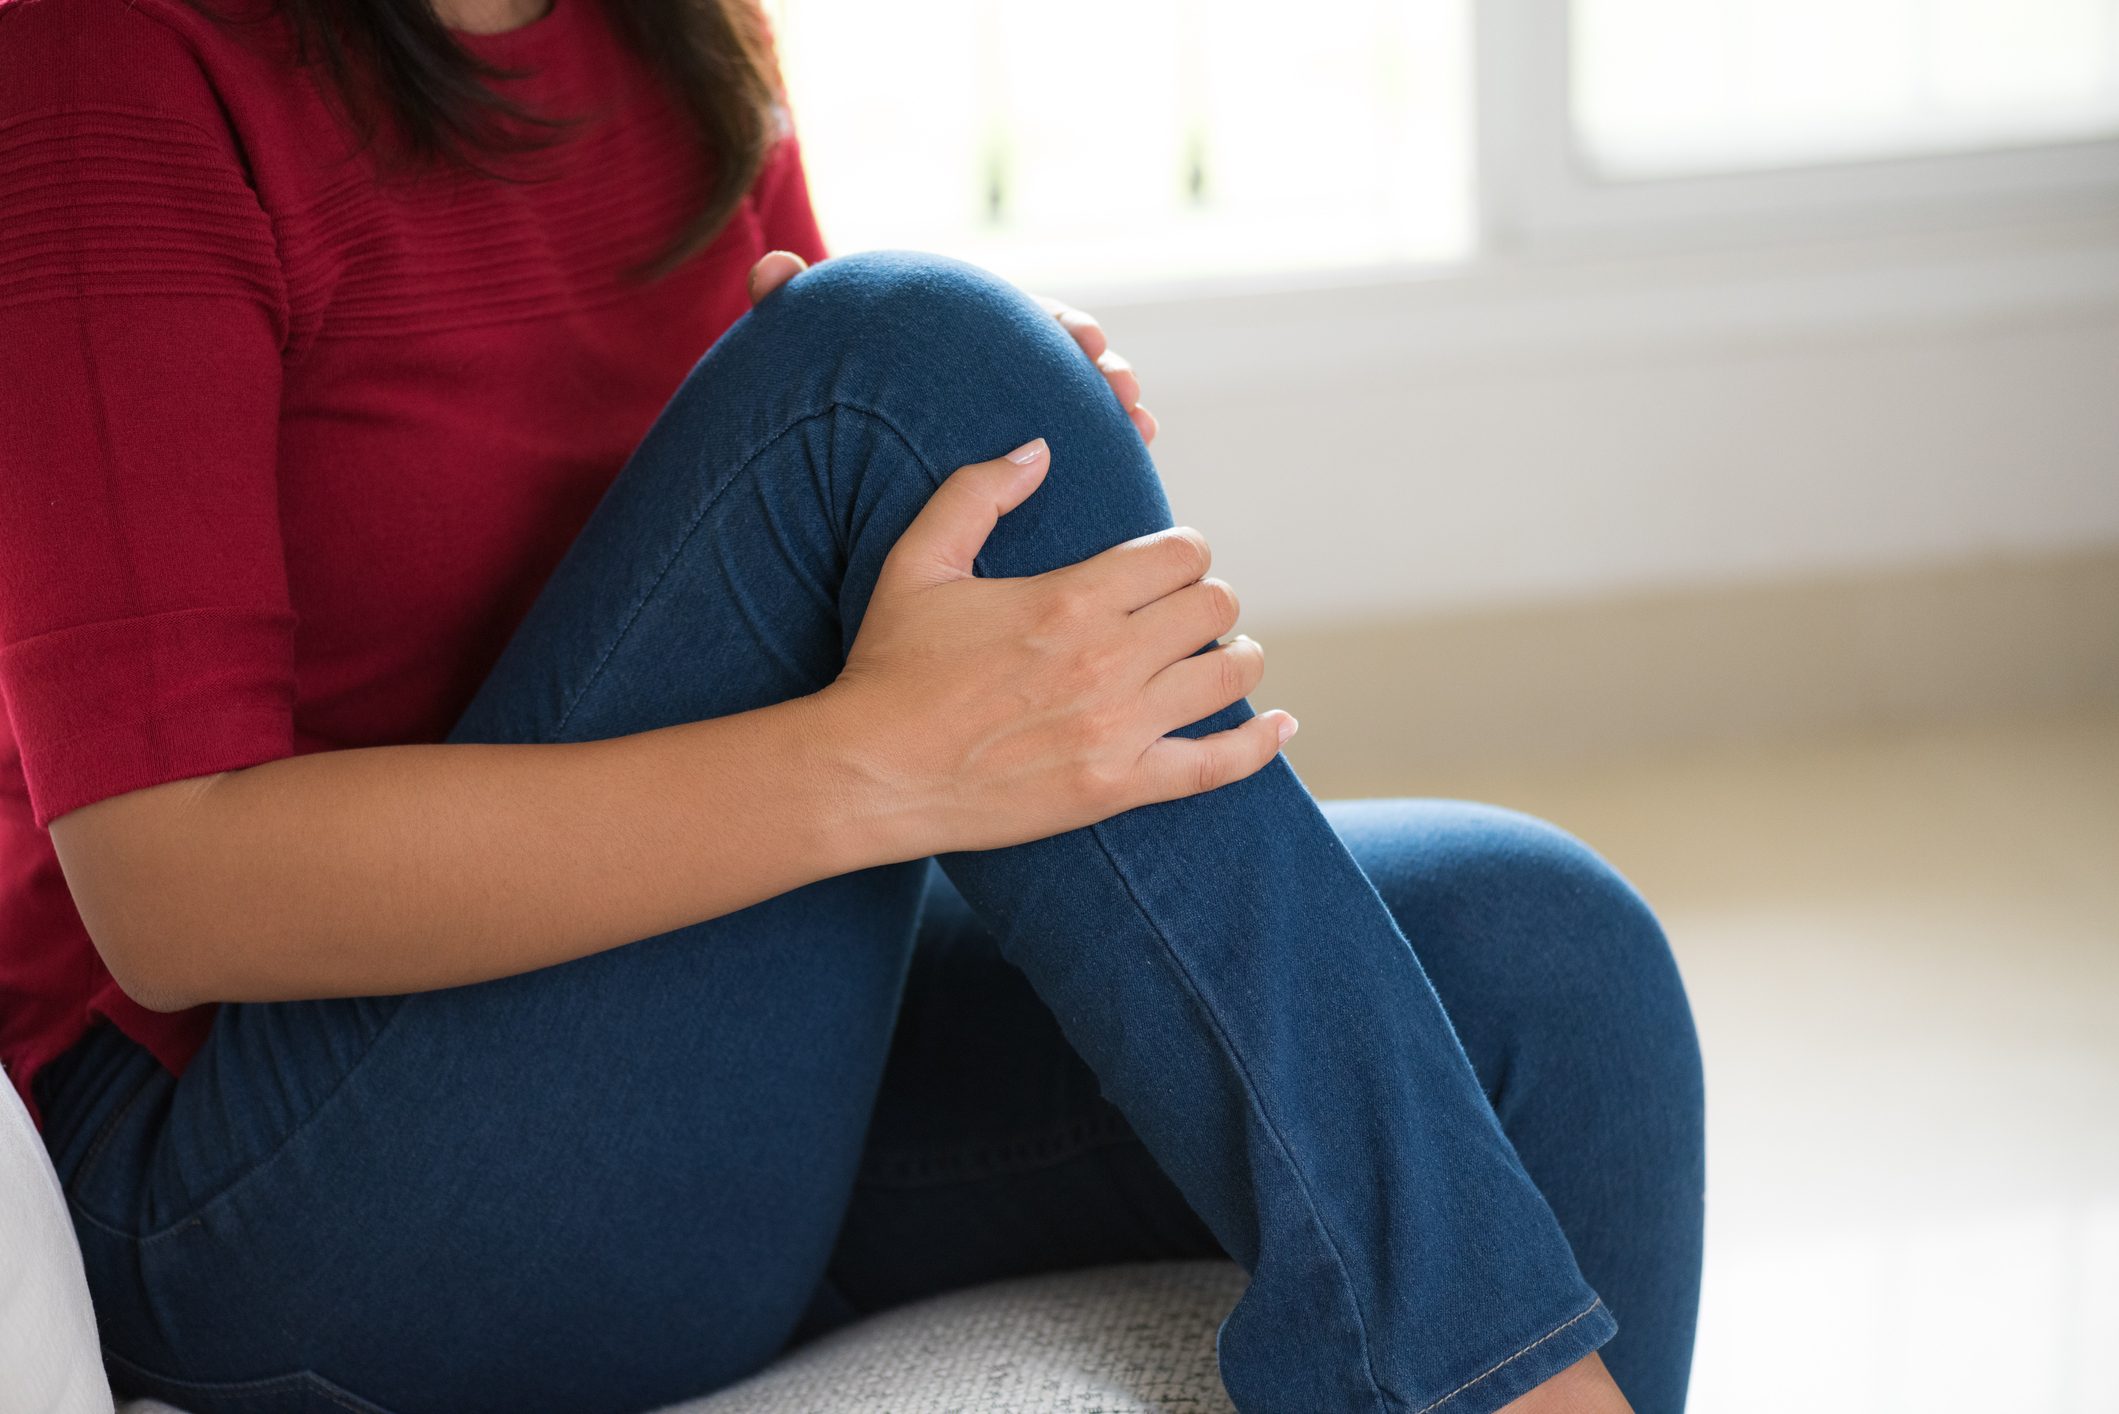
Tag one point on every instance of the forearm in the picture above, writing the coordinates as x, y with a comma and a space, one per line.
406, 868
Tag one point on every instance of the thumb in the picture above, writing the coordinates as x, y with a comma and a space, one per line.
952, 527
774, 269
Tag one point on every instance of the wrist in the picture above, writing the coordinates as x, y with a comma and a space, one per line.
874, 806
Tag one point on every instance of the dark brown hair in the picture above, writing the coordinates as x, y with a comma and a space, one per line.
395, 65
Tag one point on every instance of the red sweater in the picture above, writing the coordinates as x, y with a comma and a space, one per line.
289, 440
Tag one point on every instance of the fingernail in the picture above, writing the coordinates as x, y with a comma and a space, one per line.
1287, 727
1029, 452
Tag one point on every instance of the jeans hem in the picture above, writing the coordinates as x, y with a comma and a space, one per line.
1531, 1366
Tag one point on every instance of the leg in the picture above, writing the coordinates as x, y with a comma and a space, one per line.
992, 1153
1224, 967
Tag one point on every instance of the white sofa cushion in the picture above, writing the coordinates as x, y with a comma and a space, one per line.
49, 1360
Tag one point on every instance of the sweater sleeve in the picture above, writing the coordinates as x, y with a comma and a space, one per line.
145, 629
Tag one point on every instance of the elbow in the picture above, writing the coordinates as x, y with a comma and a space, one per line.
150, 972
159, 999
151, 909
146, 945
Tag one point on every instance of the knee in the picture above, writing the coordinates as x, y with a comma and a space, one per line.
957, 365
897, 282
920, 310
1526, 923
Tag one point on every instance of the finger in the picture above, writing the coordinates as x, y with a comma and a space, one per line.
1120, 375
1143, 570
952, 527
1178, 766
1195, 688
774, 269
1144, 422
1184, 622
1082, 328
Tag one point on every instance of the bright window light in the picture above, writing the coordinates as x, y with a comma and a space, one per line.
1117, 140
1671, 87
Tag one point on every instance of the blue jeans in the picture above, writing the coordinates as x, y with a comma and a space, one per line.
1195, 1028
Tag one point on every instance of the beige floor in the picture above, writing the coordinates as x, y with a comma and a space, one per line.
1904, 958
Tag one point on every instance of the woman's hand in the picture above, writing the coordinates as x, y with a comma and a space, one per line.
775, 268
988, 712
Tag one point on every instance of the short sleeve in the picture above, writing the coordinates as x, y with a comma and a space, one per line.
145, 629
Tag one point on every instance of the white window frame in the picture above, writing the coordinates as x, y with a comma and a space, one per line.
1538, 192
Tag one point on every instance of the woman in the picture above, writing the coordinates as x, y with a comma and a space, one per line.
471, 953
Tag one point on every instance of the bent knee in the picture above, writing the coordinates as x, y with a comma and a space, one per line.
957, 365
1514, 914
1518, 878
916, 304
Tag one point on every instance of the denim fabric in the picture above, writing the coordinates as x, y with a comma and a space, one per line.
1195, 1027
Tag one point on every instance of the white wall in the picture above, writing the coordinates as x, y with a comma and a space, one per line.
1523, 431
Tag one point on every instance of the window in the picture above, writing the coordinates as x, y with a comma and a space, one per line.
1148, 138
1138, 140
1671, 87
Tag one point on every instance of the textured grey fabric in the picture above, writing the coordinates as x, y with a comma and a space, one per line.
1115, 1340
1120, 1340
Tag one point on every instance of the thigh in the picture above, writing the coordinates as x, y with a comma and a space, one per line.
606, 1185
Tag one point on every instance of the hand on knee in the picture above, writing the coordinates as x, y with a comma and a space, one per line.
983, 712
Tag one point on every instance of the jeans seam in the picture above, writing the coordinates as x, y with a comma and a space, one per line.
837, 405
262, 1387
102, 1141
230, 1187
1258, 1107
1560, 1329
